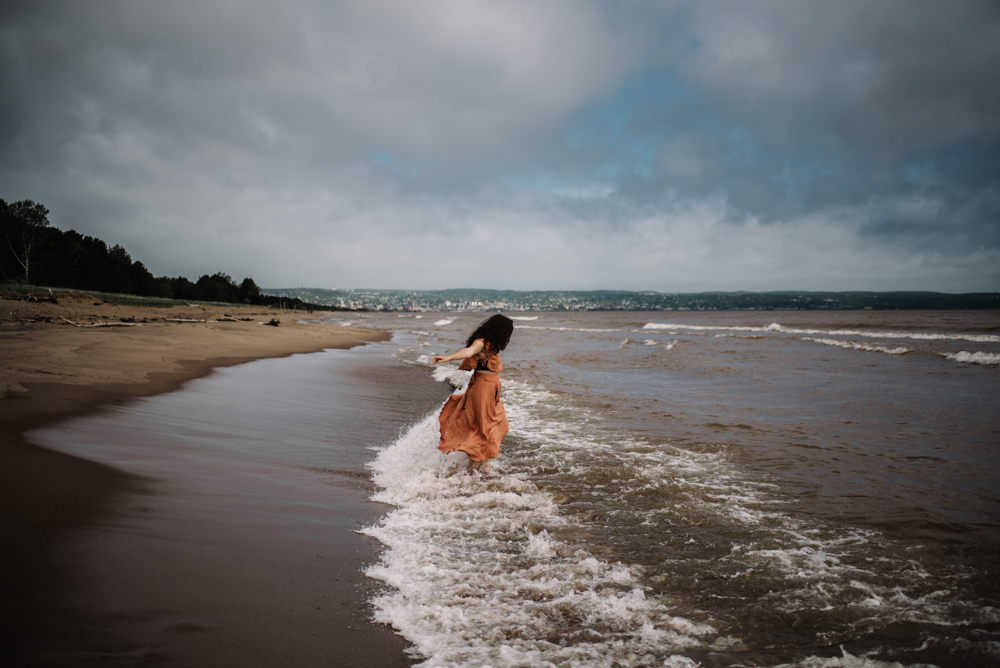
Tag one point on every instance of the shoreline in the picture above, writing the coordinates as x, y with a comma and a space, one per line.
51, 371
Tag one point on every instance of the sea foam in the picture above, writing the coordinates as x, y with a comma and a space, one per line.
778, 328
973, 358
853, 345
486, 571
479, 580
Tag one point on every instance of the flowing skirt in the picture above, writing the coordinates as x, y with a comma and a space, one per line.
474, 422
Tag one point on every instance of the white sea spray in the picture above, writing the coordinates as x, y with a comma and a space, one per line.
450, 373
479, 580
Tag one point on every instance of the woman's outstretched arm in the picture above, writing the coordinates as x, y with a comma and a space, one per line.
462, 354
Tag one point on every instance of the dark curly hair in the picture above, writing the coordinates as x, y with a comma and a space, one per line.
495, 332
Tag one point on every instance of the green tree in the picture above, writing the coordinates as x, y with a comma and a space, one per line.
218, 288
249, 292
22, 222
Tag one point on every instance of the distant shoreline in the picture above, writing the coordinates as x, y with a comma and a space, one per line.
483, 300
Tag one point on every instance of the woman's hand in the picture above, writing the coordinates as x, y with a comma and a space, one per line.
438, 358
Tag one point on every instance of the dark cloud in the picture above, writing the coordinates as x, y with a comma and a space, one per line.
687, 145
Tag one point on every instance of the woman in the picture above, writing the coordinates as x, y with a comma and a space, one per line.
475, 422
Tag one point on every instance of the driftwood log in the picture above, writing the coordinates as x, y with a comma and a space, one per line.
102, 324
183, 320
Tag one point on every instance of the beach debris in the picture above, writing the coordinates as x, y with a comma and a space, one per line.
51, 299
184, 320
194, 305
101, 324
228, 318
273, 322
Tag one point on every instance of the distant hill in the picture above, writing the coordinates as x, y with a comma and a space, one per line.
474, 299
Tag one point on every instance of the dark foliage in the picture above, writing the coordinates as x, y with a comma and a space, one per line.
22, 230
68, 259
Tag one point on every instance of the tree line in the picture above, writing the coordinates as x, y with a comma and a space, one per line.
36, 253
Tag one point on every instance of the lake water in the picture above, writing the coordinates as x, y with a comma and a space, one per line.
715, 489
814, 489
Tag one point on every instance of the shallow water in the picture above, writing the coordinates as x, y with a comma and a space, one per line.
238, 545
728, 488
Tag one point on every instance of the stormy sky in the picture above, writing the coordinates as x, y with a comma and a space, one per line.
670, 146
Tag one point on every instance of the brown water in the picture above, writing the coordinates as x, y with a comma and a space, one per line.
776, 488
709, 490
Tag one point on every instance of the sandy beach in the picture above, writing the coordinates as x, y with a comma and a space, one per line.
54, 367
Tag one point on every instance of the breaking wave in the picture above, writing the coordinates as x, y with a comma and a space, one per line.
777, 328
860, 346
973, 358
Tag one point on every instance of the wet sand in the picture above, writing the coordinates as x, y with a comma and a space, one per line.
86, 579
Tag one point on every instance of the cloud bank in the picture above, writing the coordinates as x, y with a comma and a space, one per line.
522, 145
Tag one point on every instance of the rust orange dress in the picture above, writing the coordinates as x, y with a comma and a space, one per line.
475, 422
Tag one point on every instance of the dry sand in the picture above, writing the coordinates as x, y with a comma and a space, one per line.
51, 370
154, 353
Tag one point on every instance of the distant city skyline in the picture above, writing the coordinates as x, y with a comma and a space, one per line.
565, 145
511, 301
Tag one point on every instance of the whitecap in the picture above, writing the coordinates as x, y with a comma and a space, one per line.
573, 329
874, 334
973, 358
860, 346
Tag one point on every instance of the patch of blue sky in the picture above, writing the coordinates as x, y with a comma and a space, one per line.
793, 172
740, 148
623, 135
918, 172
616, 139
976, 166
390, 162
616, 121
